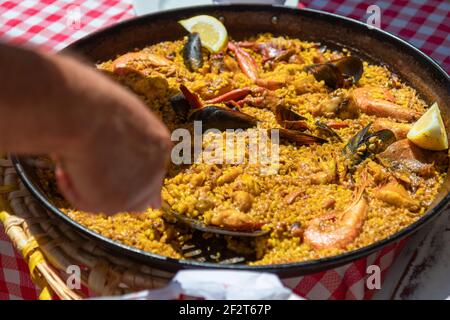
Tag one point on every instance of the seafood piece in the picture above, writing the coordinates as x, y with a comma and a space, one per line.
233, 219
180, 105
192, 98
234, 95
297, 137
229, 176
246, 62
296, 58
125, 63
326, 130
192, 52
363, 144
269, 84
350, 67
243, 200
327, 73
296, 230
259, 97
400, 130
233, 105
337, 125
361, 101
250, 68
214, 86
275, 50
319, 57
335, 105
222, 118
404, 154
327, 173
262, 98
329, 203
336, 230
230, 64
222, 62
284, 55
290, 119
213, 116
338, 73
291, 197
268, 50
395, 194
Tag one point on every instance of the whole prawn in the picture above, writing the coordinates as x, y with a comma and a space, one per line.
346, 227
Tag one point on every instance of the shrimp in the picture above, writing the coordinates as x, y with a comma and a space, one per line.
124, 64
361, 101
347, 225
250, 68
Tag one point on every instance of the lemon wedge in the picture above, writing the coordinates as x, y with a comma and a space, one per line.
429, 131
212, 32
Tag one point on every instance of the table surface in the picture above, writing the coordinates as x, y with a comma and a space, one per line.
425, 261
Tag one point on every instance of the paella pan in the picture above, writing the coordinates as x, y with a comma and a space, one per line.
348, 177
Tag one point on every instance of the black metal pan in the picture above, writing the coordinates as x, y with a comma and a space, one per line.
241, 21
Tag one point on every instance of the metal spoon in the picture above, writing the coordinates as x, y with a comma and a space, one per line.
198, 225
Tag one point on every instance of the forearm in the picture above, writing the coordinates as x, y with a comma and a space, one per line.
111, 151
43, 105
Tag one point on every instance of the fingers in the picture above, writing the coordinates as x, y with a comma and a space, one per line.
89, 188
65, 186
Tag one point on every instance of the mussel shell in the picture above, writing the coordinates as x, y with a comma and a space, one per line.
338, 73
192, 52
355, 141
283, 113
180, 105
297, 137
325, 129
350, 67
289, 119
386, 136
222, 118
328, 73
299, 125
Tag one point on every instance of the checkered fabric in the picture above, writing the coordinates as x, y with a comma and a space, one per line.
423, 23
15, 281
348, 282
53, 24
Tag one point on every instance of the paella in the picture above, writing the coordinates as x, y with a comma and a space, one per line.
360, 155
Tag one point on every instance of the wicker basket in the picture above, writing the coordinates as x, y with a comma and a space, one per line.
49, 246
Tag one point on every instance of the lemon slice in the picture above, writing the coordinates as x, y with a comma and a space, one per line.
429, 131
212, 32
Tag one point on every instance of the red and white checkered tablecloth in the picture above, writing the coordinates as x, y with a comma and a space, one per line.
53, 24
423, 23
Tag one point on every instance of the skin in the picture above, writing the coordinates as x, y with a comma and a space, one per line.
111, 151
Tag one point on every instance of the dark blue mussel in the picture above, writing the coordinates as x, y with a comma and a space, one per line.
338, 73
192, 52
364, 144
189, 107
222, 118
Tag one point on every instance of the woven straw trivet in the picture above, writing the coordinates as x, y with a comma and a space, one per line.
50, 246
